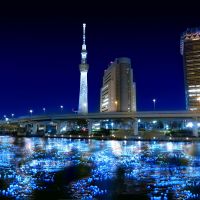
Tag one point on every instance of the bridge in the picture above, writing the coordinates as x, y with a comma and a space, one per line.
60, 120
113, 115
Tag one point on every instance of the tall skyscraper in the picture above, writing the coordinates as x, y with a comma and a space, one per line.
190, 50
83, 95
118, 93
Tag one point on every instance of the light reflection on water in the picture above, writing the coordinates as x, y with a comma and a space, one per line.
88, 169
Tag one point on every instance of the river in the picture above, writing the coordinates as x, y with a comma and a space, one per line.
59, 168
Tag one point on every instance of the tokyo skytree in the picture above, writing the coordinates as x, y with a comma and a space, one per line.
83, 95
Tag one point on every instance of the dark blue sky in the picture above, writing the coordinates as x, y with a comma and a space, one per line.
40, 54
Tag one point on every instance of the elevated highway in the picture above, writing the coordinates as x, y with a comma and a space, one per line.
60, 120
113, 115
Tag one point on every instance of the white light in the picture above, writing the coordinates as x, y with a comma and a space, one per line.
63, 129
169, 146
44, 109
83, 105
167, 127
105, 103
6, 119
154, 100
104, 100
96, 124
105, 87
12, 115
31, 111
154, 122
139, 120
189, 125
198, 124
194, 86
194, 90
192, 95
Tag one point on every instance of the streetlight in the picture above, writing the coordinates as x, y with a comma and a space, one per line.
61, 107
31, 111
154, 103
44, 109
12, 115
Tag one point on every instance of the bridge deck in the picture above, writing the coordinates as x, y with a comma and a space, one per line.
113, 115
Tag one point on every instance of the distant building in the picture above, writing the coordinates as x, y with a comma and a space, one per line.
190, 49
118, 93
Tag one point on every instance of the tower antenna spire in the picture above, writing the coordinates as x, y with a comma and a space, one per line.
84, 26
84, 45
84, 51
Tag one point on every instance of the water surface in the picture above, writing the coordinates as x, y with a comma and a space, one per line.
58, 168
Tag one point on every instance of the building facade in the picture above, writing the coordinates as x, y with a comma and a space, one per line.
83, 95
190, 50
118, 93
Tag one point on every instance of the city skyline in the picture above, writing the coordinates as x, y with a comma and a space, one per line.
40, 56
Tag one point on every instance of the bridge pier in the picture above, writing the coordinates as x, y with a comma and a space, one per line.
58, 128
34, 129
135, 126
90, 126
61, 127
195, 128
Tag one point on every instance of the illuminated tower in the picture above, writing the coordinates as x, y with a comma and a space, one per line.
83, 95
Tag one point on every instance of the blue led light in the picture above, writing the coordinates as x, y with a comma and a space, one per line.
166, 168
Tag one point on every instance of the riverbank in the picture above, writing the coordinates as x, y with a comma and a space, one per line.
127, 138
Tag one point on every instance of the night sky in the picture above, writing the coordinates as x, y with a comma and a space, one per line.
40, 48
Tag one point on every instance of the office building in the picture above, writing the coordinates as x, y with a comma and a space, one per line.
118, 93
190, 50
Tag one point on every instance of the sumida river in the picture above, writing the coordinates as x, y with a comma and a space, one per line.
59, 168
